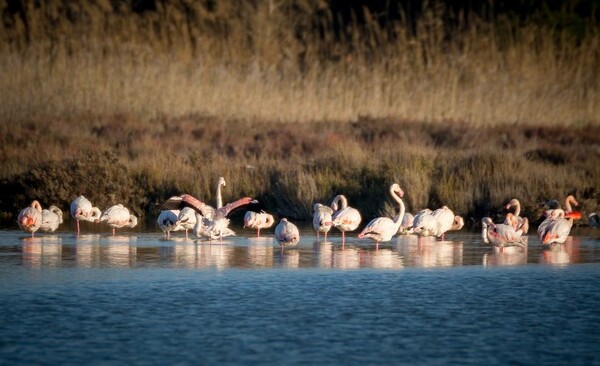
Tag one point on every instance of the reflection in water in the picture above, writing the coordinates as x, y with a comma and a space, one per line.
430, 252
562, 254
382, 258
346, 258
120, 251
214, 255
260, 255
288, 257
510, 256
42, 251
93, 251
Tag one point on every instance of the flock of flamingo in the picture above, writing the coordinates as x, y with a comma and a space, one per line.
184, 213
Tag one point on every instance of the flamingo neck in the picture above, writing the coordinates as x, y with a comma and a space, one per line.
343, 202
219, 198
517, 208
398, 220
570, 199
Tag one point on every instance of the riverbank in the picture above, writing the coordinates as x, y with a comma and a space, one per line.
474, 170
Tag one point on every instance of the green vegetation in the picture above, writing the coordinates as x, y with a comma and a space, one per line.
292, 106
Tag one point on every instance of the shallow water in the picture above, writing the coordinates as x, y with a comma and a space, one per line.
137, 298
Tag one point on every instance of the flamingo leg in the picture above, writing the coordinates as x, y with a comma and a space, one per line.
376, 246
317, 235
77, 221
186, 234
113, 231
325, 236
258, 233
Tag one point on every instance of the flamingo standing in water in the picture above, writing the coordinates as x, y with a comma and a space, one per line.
556, 228
51, 218
168, 221
346, 218
322, 219
406, 227
210, 222
424, 224
187, 219
513, 219
30, 218
286, 233
382, 229
258, 220
81, 209
447, 221
500, 235
118, 216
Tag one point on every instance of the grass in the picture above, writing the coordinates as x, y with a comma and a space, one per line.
473, 170
133, 107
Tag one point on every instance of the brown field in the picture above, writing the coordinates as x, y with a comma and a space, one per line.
135, 107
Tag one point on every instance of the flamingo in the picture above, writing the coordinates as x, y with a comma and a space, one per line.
514, 219
51, 218
500, 235
118, 216
406, 227
30, 218
569, 213
258, 220
168, 221
187, 219
424, 224
556, 228
382, 229
447, 221
346, 218
322, 219
286, 233
210, 222
81, 209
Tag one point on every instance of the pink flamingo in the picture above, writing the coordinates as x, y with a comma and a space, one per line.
556, 228
286, 233
382, 229
81, 209
500, 235
447, 221
30, 218
51, 218
346, 218
117, 217
514, 219
322, 219
258, 220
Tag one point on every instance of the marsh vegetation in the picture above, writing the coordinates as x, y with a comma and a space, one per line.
292, 105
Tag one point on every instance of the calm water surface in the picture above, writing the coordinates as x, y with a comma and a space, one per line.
139, 299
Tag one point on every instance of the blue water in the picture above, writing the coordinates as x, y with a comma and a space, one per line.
138, 299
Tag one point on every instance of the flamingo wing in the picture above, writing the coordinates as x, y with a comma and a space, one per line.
230, 207
186, 200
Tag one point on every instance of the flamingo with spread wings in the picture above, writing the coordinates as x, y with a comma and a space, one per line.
210, 222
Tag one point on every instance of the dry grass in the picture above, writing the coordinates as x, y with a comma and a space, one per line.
135, 107
474, 170
283, 61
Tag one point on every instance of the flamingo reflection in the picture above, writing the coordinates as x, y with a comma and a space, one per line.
507, 256
120, 251
562, 254
428, 252
43, 251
